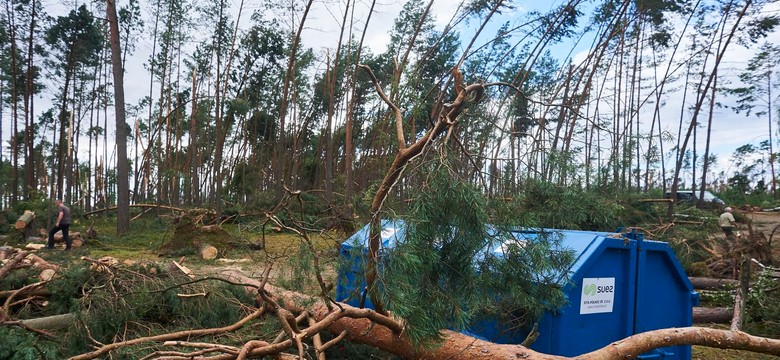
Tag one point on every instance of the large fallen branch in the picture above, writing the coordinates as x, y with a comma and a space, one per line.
459, 346
187, 334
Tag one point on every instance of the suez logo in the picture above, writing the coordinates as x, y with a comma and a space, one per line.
593, 289
598, 295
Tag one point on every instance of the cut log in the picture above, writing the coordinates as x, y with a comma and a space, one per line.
59, 238
35, 239
32, 246
40, 263
77, 243
51, 323
24, 220
208, 252
47, 275
712, 315
702, 283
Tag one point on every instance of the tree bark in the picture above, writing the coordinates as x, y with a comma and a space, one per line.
702, 283
25, 219
714, 315
122, 173
51, 323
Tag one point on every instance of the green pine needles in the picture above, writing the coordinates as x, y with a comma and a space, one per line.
443, 273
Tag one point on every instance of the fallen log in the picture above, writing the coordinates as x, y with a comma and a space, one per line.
40, 263
712, 315
112, 208
51, 323
460, 346
25, 219
703, 283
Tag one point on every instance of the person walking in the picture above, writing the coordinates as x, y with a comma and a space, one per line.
727, 223
62, 223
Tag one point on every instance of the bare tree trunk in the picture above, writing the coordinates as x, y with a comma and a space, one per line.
771, 141
123, 186
701, 97
279, 165
14, 108
706, 165
30, 182
348, 146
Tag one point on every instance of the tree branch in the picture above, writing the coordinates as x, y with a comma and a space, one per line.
399, 120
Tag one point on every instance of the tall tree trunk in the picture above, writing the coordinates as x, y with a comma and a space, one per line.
702, 96
60, 161
771, 141
706, 165
280, 153
348, 146
29, 161
329, 161
123, 187
14, 107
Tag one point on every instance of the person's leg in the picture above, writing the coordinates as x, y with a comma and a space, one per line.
65, 236
53, 230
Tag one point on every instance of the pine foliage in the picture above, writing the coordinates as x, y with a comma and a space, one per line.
443, 275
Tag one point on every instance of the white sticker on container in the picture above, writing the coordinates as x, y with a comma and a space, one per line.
598, 295
388, 232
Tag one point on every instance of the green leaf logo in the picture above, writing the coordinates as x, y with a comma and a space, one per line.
590, 289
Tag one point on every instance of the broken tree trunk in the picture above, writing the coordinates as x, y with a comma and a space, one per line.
24, 220
460, 346
740, 300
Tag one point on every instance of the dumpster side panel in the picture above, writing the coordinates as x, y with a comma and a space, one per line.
663, 289
601, 302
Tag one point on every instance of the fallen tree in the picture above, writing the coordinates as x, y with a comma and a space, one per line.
460, 346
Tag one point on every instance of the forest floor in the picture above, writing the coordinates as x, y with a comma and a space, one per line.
769, 224
281, 248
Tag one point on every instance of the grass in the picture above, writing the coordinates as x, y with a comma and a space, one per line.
705, 353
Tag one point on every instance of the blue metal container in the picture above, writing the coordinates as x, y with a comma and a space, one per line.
619, 285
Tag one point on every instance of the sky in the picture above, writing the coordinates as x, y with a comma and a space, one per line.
729, 130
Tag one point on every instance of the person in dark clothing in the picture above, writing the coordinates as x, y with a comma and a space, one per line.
62, 223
